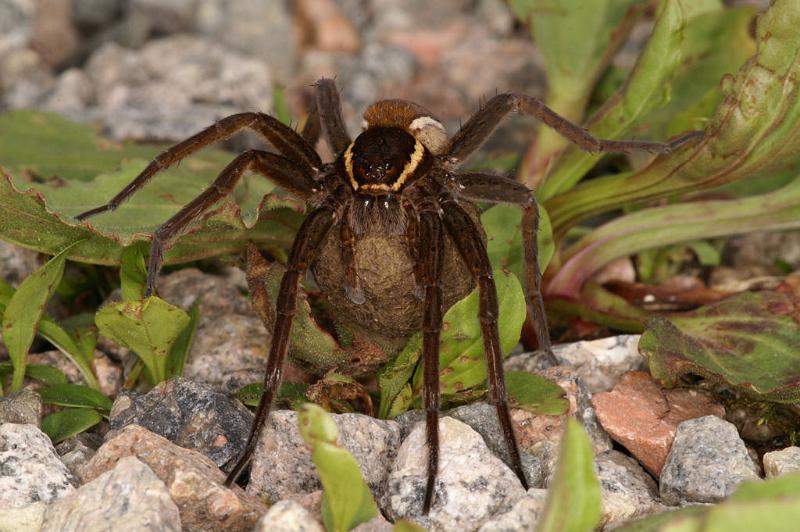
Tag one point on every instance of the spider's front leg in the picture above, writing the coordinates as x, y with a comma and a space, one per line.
478, 128
280, 170
308, 240
469, 241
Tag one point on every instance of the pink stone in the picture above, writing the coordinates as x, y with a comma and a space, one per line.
643, 417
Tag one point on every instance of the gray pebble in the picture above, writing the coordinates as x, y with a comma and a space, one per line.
707, 461
782, 462
627, 491
288, 516
24, 406
30, 470
189, 414
130, 496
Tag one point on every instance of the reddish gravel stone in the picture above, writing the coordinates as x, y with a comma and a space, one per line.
640, 415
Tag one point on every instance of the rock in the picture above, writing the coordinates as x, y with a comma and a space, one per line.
95, 13
216, 295
28, 517
288, 516
130, 493
760, 252
25, 79
326, 26
627, 491
73, 91
157, 17
75, 452
312, 502
782, 462
24, 407
16, 263
472, 485
482, 418
57, 359
109, 374
599, 363
15, 15
262, 29
282, 464
195, 484
524, 515
189, 414
54, 36
706, 463
643, 418
174, 87
30, 470
540, 435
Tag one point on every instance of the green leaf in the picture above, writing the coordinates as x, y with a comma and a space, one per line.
461, 354
149, 328
346, 499
69, 422
773, 505
753, 132
750, 341
535, 394
404, 525
576, 44
81, 171
25, 309
504, 238
693, 44
132, 273
673, 224
293, 393
45, 374
573, 500
179, 352
394, 376
75, 395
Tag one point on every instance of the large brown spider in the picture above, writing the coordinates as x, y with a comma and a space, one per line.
397, 178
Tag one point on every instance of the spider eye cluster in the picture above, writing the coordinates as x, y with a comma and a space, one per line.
382, 159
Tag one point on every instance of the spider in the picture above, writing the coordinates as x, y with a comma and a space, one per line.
399, 178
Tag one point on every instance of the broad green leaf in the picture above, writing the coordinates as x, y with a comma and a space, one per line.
404, 525
393, 377
346, 499
573, 500
535, 393
132, 273
752, 133
69, 422
504, 238
75, 395
598, 305
576, 44
25, 309
39, 372
673, 224
750, 341
149, 328
81, 171
461, 353
693, 44
179, 352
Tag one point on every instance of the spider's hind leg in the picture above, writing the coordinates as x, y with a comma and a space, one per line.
276, 168
468, 240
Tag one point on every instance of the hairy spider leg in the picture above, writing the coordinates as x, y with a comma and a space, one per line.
281, 136
467, 239
498, 189
431, 248
280, 170
478, 128
330, 115
309, 237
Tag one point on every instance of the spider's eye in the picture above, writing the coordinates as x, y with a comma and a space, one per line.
381, 159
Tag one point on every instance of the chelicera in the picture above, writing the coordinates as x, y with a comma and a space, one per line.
397, 179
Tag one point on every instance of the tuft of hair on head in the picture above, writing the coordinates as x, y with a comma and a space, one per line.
414, 118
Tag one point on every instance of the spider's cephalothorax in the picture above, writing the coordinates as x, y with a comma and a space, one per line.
391, 233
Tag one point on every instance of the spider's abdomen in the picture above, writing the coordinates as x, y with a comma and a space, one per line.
393, 306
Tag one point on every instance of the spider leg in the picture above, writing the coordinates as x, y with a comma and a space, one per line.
276, 168
482, 123
311, 129
281, 136
430, 248
499, 189
309, 237
330, 115
469, 242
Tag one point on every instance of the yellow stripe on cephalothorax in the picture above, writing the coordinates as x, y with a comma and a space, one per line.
348, 165
411, 165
